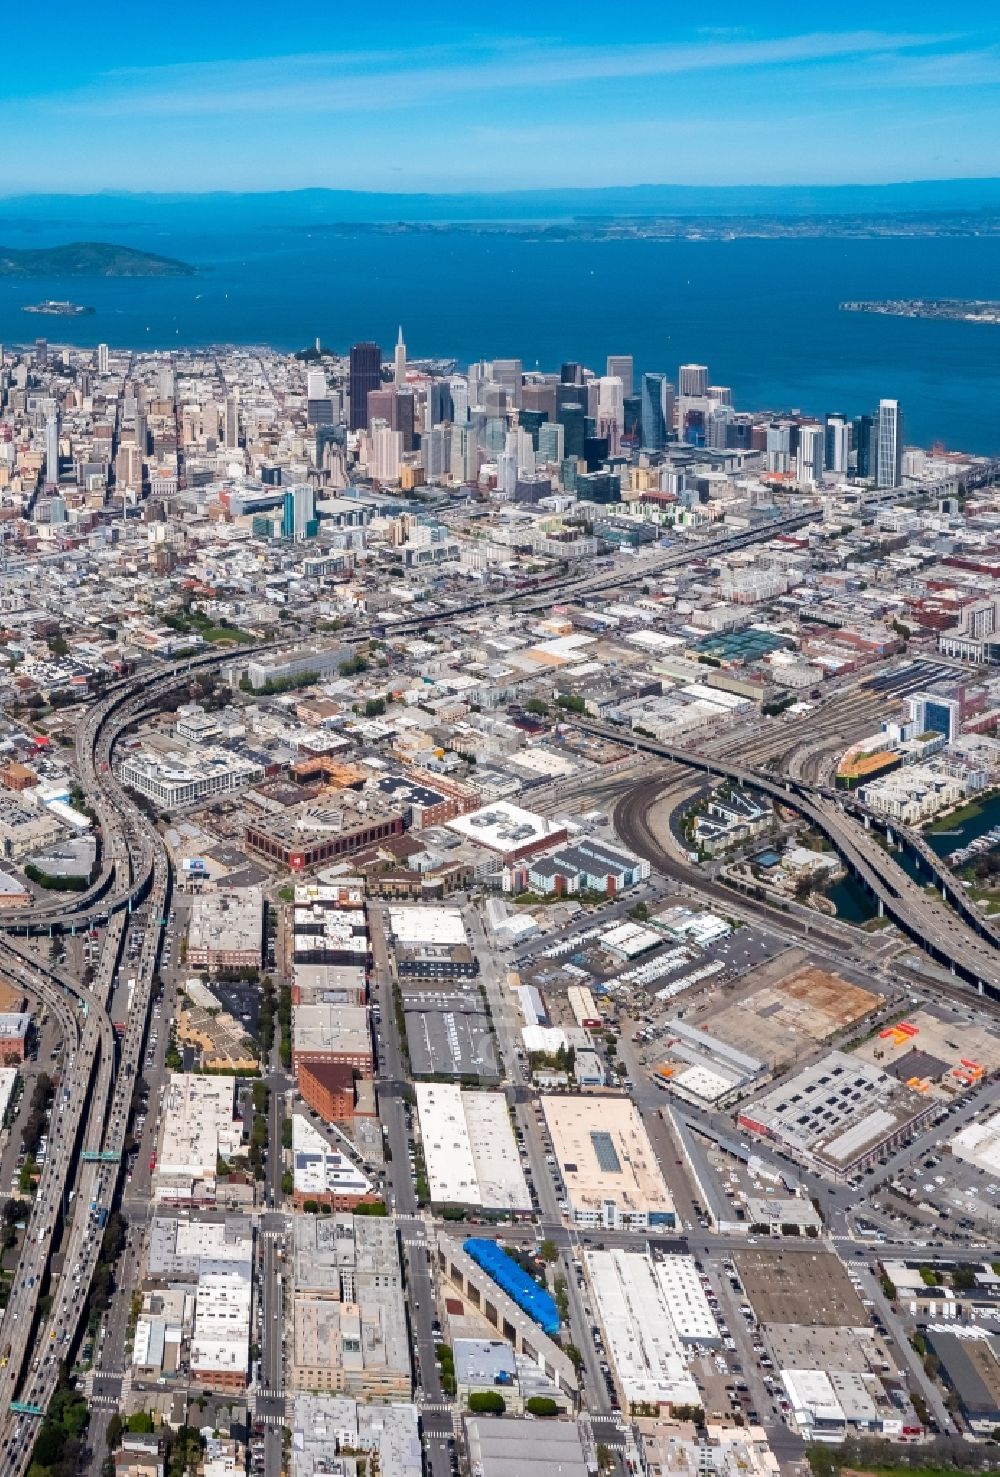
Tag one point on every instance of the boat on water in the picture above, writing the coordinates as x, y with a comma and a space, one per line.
50, 308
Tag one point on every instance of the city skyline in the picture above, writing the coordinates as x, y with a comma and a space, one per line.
405, 101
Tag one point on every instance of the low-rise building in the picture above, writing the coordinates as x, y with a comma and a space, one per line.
226, 930
469, 1148
188, 777
14, 1030
607, 1163
220, 1344
349, 1319
323, 1175
649, 1354
334, 1434
199, 1128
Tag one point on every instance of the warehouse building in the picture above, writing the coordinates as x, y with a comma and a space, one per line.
840, 1114
607, 1164
647, 1352
509, 831
469, 1148
448, 1032
500, 1447
431, 941
970, 1365
338, 1035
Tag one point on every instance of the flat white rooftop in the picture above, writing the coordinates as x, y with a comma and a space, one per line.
504, 827
642, 1340
605, 1156
423, 924
469, 1148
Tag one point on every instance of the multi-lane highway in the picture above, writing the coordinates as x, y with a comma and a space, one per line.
937, 928
96, 1081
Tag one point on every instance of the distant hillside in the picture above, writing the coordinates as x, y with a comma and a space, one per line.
88, 259
215, 210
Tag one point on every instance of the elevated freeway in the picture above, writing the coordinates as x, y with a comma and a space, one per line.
947, 937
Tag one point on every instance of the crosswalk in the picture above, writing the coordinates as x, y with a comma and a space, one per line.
106, 1402
276, 1421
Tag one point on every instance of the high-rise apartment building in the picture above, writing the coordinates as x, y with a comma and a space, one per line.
837, 450
889, 444
298, 513
812, 446
862, 439
387, 454
366, 375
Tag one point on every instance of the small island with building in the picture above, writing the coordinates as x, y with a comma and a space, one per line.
953, 309
52, 308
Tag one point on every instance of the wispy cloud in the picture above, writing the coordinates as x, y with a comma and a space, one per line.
393, 80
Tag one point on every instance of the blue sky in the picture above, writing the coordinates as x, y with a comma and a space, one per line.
392, 96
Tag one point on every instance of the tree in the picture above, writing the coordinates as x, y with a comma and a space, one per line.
548, 1251
487, 1402
113, 1434
541, 1405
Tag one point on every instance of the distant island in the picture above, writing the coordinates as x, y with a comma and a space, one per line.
683, 228
88, 259
952, 309
51, 308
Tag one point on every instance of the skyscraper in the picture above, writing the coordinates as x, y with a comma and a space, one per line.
838, 443
298, 513
889, 444
809, 468
510, 374
102, 358
693, 379
611, 411
652, 419
571, 418
403, 416
366, 375
862, 435
399, 360
232, 422
52, 449
621, 366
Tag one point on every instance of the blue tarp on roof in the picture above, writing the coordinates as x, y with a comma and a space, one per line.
515, 1282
